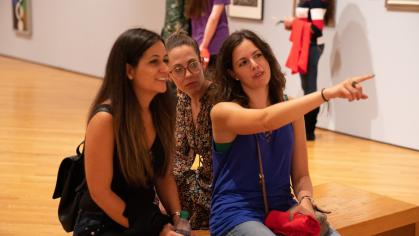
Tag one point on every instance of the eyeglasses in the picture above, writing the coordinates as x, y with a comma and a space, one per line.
180, 71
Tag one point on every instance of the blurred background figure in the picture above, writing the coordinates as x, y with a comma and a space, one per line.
209, 27
311, 12
175, 18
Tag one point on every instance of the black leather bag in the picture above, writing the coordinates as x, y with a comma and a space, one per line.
69, 188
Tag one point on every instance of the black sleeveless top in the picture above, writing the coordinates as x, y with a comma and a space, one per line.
143, 214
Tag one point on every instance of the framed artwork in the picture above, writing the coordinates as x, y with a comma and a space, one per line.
247, 9
404, 5
21, 10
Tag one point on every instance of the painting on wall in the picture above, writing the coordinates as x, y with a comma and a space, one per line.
247, 9
21, 10
403, 5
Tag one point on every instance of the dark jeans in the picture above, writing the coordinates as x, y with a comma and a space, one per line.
309, 85
251, 228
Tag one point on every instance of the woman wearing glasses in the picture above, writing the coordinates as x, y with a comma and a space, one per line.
193, 166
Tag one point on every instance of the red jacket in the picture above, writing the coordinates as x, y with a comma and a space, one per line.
300, 37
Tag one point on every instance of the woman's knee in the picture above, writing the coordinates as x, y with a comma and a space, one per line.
250, 228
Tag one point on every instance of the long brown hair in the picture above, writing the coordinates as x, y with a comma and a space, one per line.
195, 8
230, 89
129, 132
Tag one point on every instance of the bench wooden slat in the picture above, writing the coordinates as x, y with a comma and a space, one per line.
201, 233
358, 212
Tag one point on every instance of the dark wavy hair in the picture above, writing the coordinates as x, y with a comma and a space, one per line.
181, 38
129, 130
230, 89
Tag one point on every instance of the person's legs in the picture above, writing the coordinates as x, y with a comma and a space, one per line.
309, 85
250, 228
310, 119
304, 83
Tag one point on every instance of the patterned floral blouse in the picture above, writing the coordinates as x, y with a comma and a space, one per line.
193, 164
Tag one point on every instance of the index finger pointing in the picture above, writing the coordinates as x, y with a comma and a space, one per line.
363, 78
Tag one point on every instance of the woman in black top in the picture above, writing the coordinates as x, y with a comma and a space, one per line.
129, 143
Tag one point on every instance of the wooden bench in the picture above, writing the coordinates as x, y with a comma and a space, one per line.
201, 233
358, 212
361, 213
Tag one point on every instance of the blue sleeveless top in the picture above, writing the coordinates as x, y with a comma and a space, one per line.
237, 195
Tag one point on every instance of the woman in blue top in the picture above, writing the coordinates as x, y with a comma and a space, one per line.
252, 106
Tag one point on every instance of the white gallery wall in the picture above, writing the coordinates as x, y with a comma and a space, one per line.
367, 38
78, 34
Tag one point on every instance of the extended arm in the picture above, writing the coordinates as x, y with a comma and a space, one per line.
230, 119
168, 193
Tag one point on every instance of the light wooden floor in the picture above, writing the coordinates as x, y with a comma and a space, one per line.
42, 119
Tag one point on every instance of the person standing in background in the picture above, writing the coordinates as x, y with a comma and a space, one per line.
209, 27
312, 11
175, 18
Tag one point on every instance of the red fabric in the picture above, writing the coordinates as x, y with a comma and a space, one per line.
301, 225
319, 24
300, 37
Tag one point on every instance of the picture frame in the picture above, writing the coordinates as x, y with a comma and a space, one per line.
21, 13
246, 9
402, 5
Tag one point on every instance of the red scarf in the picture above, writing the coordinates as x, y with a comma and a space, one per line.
301, 225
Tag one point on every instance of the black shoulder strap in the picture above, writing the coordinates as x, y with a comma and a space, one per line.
80, 153
103, 107
262, 178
